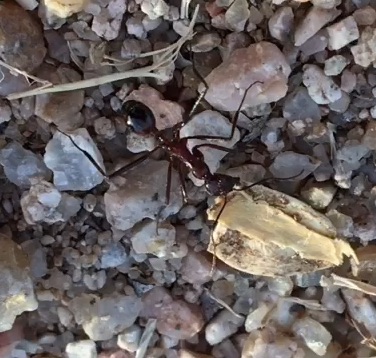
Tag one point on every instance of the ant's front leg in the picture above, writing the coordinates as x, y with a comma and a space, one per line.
132, 164
210, 145
182, 184
87, 155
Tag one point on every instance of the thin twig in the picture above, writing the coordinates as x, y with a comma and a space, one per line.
167, 56
71, 86
25, 74
146, 337
223, 304
74, 57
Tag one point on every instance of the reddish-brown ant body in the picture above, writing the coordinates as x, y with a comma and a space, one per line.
141, 120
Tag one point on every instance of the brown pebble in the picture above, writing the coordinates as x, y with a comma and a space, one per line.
21, 38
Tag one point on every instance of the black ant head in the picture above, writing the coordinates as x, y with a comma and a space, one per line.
139, 117
221, 184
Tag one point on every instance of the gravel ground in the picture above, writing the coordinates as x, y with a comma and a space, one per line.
97, 263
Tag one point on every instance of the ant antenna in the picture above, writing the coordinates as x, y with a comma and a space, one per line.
265, 180
201, 78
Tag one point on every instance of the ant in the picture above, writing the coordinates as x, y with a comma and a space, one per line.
142, 122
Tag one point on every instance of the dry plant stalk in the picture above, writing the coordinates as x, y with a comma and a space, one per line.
145, 338
345, 282
165, 57
368, 339
264, 232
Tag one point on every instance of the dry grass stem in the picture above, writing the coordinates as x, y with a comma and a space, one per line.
74, 57
223, 304
165, 57
145, 338
16, 72
345, 282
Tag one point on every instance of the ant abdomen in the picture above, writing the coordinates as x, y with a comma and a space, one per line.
139, 117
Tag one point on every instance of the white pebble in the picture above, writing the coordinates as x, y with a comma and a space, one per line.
155, 8
222, 326
129, 338
81, 349
65, 316
313, 333
373, 111
104, 126
321, 88
335, 65
72, 169
342, 33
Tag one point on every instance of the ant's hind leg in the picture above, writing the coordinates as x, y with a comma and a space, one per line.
168, 185
182, 184
167, 197
133, 164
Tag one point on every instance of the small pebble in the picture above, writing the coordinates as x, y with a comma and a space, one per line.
237, 15
326, 4
348, 81
65, 316
288, 164
89, 202
135, 27
314, 335
81, 349
129, 338
105, 127
335, 65
5, 112
222, 326
315, 20
72, 169
281, 23
365, 16
318, 195
155, 8
263, 62
342, 33
321, 88
206, 42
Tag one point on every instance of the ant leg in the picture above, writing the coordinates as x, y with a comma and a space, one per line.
212, 238
182, 185
266, 180
168, 191
234, 120
214, 146
87, 155
133, 164
168, 186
